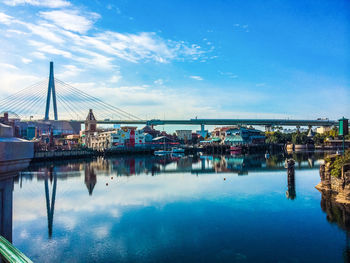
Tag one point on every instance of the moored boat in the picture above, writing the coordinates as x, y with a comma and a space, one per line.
178, 150
162, 152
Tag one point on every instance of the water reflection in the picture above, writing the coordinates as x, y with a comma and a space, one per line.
6, 199
338, 214
90, 178
50, 207
151, 198
291, 193
134, 165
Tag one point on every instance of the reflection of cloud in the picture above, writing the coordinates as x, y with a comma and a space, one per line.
120, 194
101, 231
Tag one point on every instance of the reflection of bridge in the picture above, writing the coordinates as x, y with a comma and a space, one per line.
125, 166
74, 104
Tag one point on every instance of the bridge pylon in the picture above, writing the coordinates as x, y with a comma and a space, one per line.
51, 89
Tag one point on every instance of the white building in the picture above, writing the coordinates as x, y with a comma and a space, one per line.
184, 135
124, 137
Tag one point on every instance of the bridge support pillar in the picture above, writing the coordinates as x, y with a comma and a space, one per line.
202, 131
51, 89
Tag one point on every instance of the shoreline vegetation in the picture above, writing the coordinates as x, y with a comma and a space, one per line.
335, 177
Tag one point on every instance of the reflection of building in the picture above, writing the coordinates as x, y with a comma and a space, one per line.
90, 178
291, 193
6, 197
339, 214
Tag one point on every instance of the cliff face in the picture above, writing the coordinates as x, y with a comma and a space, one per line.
338, 186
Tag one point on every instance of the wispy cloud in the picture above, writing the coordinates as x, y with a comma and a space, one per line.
241, 27
65, 26
228, 74
26, 60
45, 48
71, 19
43, 3
7, 66
5, 19
196, 77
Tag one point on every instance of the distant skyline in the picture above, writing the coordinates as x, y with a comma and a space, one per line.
182, 59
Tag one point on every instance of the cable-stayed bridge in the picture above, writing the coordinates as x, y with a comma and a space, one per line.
69, 103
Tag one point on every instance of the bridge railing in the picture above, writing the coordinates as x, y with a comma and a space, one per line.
9, 253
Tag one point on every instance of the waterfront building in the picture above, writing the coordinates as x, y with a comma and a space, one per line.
124, 137
323, 129
237, 135
243, 136
220, 132
15, 153
150, 130
184, 135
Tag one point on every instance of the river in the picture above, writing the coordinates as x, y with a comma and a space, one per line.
177, 209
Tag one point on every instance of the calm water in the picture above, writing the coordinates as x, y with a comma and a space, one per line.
189, 209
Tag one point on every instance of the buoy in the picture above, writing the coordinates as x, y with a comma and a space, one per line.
106, 183
112, 177
224, 179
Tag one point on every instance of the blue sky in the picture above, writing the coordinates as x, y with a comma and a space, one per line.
181, 59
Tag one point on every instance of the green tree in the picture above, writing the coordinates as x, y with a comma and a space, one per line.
277, 137
319, 138
339, 162
299, 138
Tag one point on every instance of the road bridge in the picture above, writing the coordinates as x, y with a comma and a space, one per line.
256, 122
74, 104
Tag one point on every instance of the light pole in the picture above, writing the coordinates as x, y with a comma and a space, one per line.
343, 130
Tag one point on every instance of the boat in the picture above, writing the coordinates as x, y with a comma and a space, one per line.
162, 152
178, 150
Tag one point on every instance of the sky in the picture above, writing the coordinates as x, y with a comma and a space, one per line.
186, 59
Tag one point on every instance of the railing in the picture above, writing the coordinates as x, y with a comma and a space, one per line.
11, 254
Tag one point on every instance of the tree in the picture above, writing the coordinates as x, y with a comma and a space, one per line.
277, 137
299, 138
319, 138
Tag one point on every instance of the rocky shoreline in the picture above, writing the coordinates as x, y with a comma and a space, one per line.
338, 186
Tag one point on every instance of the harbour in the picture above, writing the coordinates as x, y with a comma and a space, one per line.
106, 202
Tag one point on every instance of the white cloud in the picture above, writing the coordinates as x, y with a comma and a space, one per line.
5, 19
7, 66
69, 71
49, 49
43, 3
26, 60
196, 77
71, 19
38, 55
18, 32
12, 81
228, 74
43, 32
115, 78
159, 82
